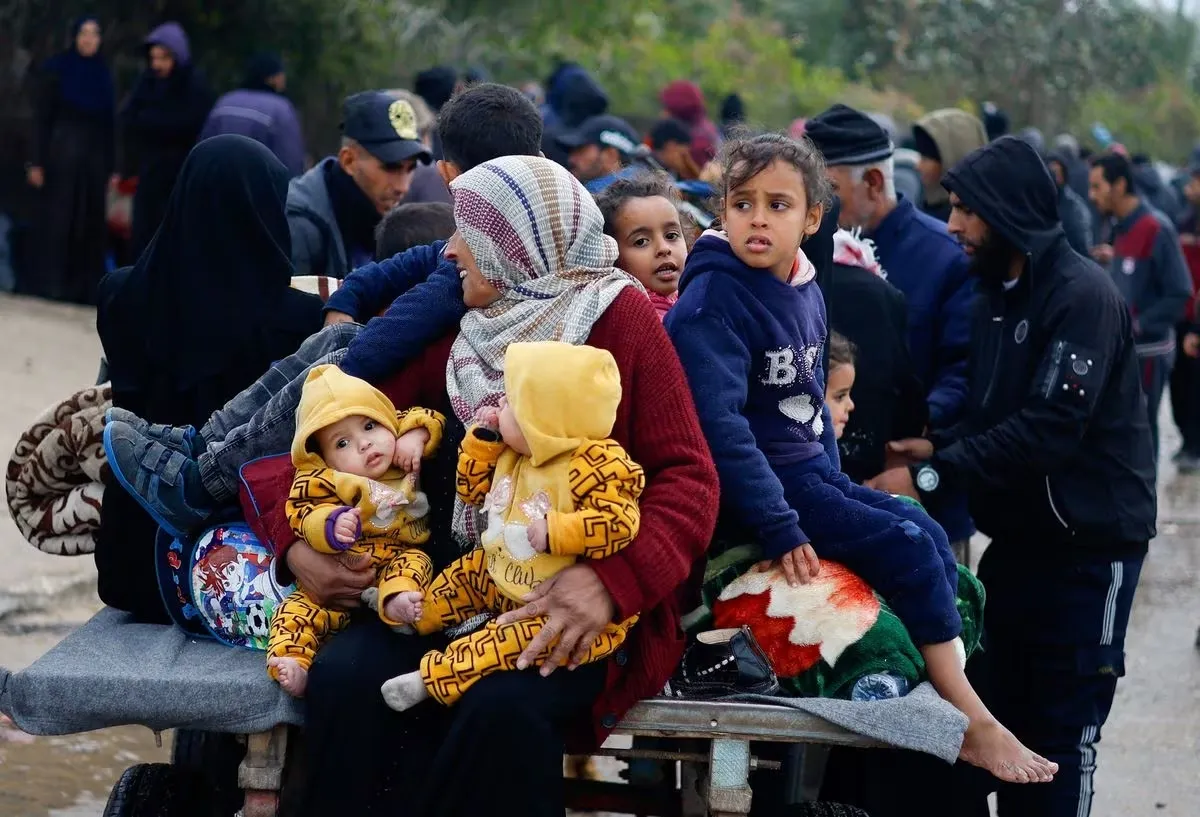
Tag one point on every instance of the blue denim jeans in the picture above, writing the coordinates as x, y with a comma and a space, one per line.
261, 419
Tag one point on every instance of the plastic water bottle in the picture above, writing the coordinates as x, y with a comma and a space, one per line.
879, 686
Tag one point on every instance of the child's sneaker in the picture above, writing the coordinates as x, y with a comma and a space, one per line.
184, 439
165, 482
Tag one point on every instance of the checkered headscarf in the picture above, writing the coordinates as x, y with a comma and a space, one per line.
538, 237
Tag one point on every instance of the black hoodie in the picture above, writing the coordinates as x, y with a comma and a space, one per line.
1055, 449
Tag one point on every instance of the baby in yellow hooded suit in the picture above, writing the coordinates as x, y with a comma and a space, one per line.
553, 489
355, 492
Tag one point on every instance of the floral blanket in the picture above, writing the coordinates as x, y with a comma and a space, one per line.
55, 477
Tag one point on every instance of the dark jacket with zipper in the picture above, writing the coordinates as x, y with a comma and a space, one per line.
1055, 446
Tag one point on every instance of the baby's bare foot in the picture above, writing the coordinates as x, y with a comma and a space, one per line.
292, 677
404, 607
990, 746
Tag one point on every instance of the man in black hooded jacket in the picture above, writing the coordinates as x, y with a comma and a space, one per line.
1056, 455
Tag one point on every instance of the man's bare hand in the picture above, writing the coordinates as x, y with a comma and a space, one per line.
1191, 345
332, 581
895, 481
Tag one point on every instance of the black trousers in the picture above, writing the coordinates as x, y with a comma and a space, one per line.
500, 748
1054, 643
1185, 396
1055, 628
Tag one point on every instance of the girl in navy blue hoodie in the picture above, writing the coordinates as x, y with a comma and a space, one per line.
750, 328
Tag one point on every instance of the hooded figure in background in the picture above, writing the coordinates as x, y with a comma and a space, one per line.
205, 310
71, 163
572, 96
163, 118
944, 138
995, 121
733, 114
436, 85
259, 110
1066, 147
1076, 213
1159, 195
684, 101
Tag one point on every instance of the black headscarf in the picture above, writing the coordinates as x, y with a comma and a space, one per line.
84, 82
208, 306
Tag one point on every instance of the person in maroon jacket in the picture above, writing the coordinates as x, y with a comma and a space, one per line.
1185, 377
501, 746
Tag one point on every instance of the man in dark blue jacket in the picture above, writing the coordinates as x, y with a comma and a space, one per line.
921, 260
1054, 448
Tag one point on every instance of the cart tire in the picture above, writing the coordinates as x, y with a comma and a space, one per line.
209, 760
145, 790
825, 810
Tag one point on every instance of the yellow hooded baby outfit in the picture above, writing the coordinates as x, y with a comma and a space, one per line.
585, 486
393, 510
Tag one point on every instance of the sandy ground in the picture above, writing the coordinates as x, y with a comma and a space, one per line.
1149, 760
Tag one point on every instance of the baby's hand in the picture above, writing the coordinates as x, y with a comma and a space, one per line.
488, 417
410, 447
538, 532
347, 526
405, 608
799, 566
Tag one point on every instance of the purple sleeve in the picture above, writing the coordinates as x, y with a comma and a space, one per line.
331, 522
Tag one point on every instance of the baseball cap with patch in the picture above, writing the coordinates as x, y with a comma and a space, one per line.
605, 131
385, 126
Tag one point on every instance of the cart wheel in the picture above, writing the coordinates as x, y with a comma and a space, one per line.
210, 761
825, 810
145, 790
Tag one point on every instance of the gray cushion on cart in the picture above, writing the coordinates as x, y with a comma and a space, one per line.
112, 671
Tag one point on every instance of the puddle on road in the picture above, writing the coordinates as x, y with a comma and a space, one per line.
70, 776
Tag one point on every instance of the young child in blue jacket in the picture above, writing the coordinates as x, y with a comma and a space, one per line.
750, 328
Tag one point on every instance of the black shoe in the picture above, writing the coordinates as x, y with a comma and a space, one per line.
720, 663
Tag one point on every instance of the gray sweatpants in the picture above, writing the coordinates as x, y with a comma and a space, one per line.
260, 421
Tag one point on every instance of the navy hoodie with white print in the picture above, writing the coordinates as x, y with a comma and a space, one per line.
752, 346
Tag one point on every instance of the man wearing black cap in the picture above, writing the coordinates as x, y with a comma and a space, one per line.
922, 261
602, 150
334, 208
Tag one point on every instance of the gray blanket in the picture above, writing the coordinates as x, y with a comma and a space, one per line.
112, 672
922, 720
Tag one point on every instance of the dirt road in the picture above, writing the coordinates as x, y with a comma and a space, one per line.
1149, 760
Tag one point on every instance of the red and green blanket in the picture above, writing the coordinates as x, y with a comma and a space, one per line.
821, 637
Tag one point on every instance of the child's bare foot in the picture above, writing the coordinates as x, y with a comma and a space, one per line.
404, 691
292, 677
404, 607
990, 746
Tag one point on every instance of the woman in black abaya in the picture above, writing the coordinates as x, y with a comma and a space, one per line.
204, 311
72, 161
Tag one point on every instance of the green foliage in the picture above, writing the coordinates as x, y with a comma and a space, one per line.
1162, 120
1051, 63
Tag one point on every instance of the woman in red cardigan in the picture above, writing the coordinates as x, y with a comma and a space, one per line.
548, 277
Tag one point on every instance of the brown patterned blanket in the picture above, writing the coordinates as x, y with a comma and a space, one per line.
55, 478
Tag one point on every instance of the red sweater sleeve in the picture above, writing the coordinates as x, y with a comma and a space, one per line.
267, 482
680, 503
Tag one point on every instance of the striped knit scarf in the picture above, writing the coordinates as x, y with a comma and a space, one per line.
538, 237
